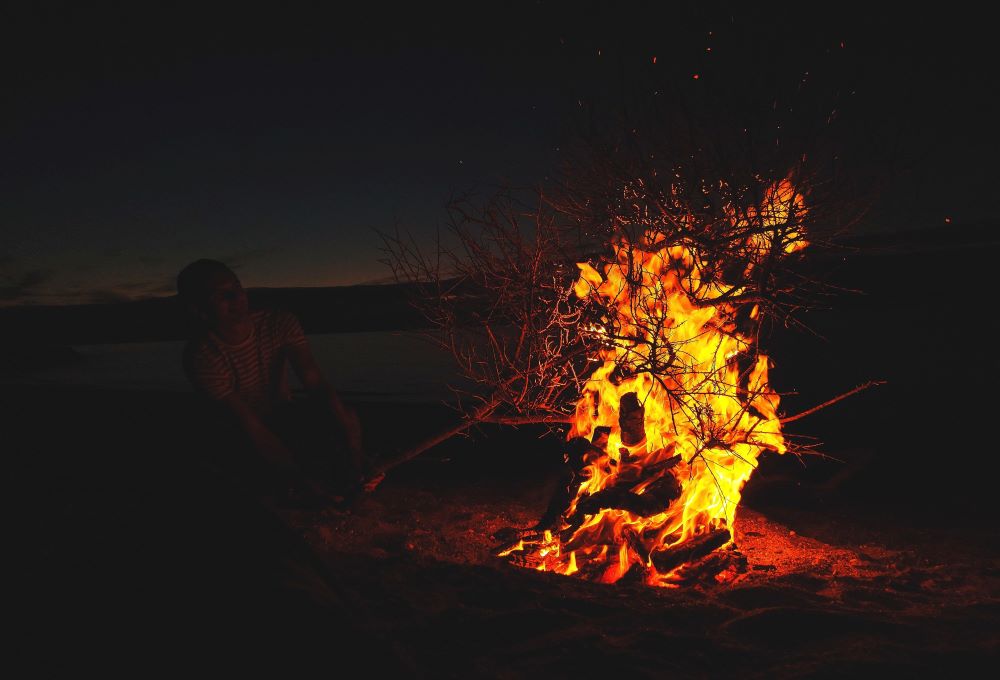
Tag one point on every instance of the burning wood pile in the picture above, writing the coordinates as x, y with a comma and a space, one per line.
671, 422
649, 353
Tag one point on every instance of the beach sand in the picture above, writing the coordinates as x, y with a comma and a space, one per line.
139, 556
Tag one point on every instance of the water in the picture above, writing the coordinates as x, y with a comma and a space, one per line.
377, 366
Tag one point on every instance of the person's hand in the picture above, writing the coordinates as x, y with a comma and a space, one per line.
372, 483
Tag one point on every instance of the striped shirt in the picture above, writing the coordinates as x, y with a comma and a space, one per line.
255, 369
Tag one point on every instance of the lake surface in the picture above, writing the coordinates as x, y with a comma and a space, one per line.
378, 366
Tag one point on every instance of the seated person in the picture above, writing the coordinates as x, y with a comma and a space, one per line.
239, 361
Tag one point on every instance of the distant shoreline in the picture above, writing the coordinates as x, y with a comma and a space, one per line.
341, 309
875, 263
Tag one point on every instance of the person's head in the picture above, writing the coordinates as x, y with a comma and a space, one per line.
212, 293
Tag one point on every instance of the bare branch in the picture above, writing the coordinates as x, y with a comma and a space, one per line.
845, 395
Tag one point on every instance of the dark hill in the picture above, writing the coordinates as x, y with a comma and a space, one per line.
340, 309
952, 265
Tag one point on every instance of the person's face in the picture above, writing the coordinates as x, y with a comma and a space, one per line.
226, 304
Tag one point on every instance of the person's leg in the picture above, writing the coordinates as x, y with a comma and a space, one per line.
318, 443
220, 445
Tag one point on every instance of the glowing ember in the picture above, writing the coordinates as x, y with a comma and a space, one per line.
670, 424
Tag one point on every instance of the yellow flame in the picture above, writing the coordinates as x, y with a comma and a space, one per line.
669, 312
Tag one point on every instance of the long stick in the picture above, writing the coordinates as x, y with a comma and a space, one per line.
482, 415
529, 420
477, 416
870, 383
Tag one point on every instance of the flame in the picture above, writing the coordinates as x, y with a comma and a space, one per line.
706, 409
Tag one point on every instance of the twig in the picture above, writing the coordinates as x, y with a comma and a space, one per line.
475, 417
870, 383
529, 420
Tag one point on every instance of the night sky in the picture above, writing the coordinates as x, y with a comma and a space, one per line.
136, 140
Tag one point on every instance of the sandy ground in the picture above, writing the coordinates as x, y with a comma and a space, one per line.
138, 557
822, 593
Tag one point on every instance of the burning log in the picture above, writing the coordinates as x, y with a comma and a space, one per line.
578, 451
593, 570
656, 498
631, 419
600, 437
689, 551
560, 500
649, 334
718, 566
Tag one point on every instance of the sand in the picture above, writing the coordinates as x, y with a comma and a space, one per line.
134, 555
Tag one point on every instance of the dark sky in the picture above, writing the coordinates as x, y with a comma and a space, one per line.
135, 140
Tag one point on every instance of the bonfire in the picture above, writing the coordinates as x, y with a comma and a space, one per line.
670, 424
633, 320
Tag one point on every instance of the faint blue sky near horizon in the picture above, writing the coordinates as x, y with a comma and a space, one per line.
138, 139
283, 173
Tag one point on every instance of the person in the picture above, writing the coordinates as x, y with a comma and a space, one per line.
238, 359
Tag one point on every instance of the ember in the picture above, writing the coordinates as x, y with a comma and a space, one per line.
670, 424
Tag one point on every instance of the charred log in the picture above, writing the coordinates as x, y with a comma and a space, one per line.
631, 419
592, 570
636, 575
657, 497
689, 551
578, 452
632, 475
711, 568
600, 437
665, 490
562, 496
634, 542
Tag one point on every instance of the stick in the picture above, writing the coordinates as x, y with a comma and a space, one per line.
689, 551
548, 419
870, 383
377, 474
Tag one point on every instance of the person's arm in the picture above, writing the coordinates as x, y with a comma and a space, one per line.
315, 383
210, 376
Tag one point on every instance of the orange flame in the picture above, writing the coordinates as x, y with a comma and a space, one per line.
709, 411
